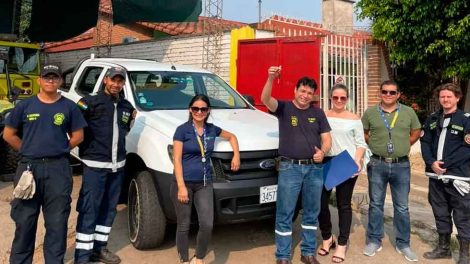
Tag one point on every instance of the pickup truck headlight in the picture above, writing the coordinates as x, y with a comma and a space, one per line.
170, 152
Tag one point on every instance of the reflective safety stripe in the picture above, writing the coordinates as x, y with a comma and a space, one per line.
104, 165
283, 233
445, 176
309, 227
85, 246
114, 147
103, 229
100, 237
84, 237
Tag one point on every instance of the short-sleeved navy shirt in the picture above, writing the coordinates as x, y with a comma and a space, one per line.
193, 167
300, 129
45, 126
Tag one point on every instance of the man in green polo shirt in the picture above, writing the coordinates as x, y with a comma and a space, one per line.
390, 129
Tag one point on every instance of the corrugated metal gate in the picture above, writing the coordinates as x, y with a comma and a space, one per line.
344, 58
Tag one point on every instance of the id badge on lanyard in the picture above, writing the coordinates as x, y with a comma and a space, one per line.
390, 148
203, 149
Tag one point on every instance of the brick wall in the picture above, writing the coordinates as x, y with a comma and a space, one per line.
177, 50
374, 74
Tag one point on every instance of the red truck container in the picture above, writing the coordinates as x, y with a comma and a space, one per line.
298, 57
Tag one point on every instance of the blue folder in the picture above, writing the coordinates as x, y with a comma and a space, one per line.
338, 170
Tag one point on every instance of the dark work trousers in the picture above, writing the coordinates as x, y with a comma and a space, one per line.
96, 208
343, 199
53, 179
447, 203
202, 198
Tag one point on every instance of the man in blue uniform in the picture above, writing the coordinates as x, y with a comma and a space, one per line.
445, 146
304, 138
44, 121
103, 153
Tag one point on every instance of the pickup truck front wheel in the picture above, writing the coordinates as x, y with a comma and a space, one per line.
146, 220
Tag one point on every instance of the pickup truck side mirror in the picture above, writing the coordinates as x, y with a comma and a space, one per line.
249, 98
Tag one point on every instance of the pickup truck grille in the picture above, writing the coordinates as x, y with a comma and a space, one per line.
253, 165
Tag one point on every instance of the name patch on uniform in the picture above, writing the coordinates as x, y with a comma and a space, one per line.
432, 125
467, 139
33, 117
294, 121
312, 119
82, 105
59, 119
456, 127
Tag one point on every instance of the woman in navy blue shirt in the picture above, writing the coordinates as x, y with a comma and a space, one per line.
193, 144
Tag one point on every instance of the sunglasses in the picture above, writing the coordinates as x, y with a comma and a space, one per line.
51, 78
339, 98
385, 92
196, 109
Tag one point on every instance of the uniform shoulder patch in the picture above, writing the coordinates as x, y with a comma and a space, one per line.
82, 105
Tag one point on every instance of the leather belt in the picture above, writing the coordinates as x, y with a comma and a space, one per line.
43, 159
297, 161
390, 159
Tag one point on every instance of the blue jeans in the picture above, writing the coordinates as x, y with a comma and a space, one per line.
379, 174
293, 179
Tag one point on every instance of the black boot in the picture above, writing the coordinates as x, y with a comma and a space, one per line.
105, 256
442, 250
463, 251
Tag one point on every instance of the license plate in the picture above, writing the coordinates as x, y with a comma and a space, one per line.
267, 194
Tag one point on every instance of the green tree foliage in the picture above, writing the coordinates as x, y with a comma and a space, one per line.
431, 35
25, 18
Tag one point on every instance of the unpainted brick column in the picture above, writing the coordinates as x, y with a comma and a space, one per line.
374, 55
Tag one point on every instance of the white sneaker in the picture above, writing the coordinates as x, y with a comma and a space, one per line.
409, 255
371, 248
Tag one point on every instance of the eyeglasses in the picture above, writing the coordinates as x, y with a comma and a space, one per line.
339, 98
51, 78
196, 109
385, 92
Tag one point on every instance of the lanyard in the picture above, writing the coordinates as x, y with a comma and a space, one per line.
389, 127
202, 148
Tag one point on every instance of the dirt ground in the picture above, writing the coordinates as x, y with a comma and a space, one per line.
247, 243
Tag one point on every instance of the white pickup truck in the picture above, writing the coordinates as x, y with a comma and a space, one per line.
161, 94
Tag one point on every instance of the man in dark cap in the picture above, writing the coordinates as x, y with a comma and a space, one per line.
103, 153
43, 128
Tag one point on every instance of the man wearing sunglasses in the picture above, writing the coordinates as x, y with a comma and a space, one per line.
390, 129
304, 138
103, 154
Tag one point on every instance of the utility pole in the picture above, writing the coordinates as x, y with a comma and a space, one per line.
259, 11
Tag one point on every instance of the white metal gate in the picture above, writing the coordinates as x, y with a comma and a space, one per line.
344, 58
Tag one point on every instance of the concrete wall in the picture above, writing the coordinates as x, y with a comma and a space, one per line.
181, 50
176, 50
337, 15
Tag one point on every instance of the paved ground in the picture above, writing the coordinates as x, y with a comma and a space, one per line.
249, 242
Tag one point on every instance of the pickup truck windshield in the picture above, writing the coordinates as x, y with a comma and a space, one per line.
174, 90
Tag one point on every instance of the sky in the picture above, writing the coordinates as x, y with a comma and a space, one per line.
247, 10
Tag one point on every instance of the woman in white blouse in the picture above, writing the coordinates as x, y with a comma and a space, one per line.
347, 133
